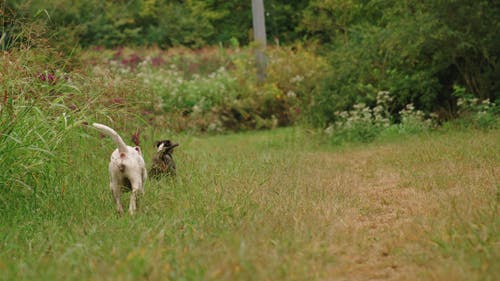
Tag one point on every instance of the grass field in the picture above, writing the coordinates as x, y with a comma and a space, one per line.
273, 205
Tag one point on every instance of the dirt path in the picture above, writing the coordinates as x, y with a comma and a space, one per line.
385, 225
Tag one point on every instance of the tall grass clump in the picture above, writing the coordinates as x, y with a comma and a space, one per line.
35, 120
40, 106
43, 120
28, 139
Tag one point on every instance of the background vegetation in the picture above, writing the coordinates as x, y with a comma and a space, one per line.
428, 54
418, 51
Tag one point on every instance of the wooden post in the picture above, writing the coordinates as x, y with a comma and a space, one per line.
259, 34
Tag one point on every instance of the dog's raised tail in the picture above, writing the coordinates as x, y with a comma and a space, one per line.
122, 147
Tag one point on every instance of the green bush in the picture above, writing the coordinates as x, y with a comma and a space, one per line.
364, 123
417, 51
164, 23
214, 89
198, 94
475, 112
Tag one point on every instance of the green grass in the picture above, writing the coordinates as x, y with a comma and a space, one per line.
273, 205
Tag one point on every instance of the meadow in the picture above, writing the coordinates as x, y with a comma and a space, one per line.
370, 151
282, 204
268, 187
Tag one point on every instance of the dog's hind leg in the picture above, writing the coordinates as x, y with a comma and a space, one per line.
117, 193
136, 190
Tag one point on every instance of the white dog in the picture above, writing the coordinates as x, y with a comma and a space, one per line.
127, 169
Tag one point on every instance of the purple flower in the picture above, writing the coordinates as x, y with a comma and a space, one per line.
157, 61
132, 61
51, 78
118, 54
48, 77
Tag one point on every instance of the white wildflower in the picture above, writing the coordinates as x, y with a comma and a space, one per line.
329, 130
297, 79
196, 109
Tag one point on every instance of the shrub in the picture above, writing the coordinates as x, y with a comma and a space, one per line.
216, 89
364, 124
292, 73
414, 121
475, 112
417, 51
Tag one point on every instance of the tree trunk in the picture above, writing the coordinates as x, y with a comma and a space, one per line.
259, 33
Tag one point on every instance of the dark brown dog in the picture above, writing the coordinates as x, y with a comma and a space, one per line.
163, 162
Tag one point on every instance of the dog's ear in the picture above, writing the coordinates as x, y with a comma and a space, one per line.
160, 145
135, 137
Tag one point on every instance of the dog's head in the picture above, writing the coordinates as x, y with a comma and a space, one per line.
165, 146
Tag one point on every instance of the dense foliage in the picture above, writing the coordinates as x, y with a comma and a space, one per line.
419, 51
211, 89
165, 23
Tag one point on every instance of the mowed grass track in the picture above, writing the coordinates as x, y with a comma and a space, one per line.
271, 205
